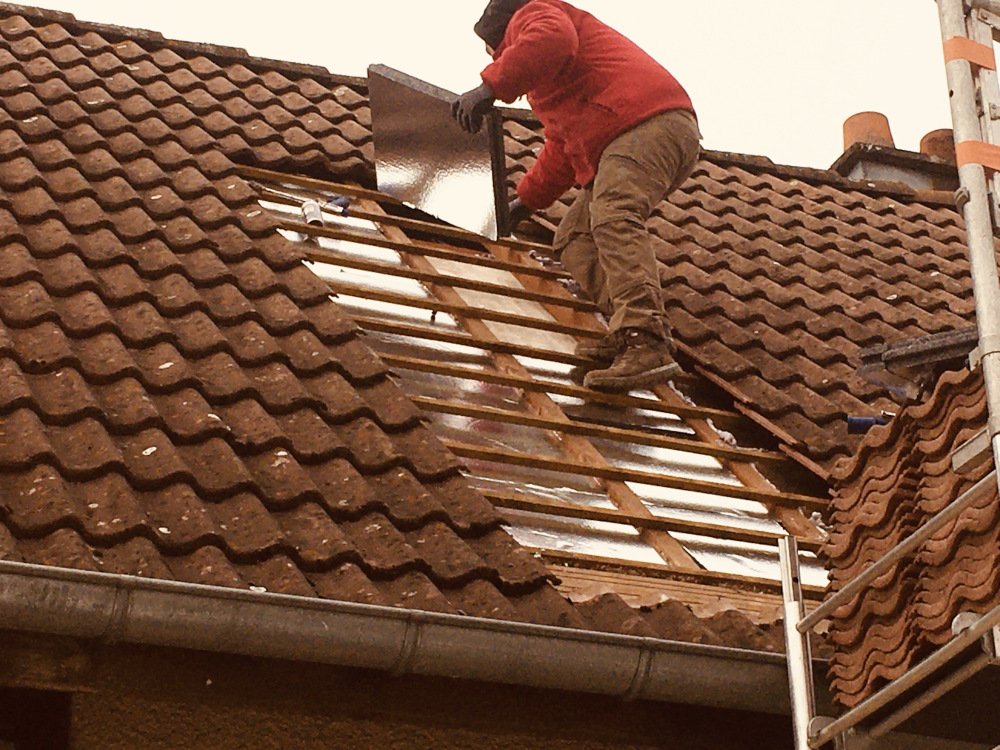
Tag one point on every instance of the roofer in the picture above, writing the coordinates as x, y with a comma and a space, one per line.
621, 127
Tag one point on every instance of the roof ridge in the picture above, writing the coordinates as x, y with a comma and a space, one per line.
147, 39
816, 175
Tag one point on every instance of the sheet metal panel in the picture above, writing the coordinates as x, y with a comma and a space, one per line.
425, 159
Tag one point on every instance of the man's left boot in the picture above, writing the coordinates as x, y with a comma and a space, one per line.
643, 360
602, 350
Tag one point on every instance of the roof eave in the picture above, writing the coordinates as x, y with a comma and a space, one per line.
116, 608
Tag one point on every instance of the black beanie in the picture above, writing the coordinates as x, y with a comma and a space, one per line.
493, 25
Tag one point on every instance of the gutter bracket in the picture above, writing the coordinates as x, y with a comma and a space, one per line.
640, 679
120, 615
408, 648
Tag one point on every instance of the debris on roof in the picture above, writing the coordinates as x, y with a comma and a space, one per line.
910, 369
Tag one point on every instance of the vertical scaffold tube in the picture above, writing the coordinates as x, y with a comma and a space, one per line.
800, 677
976, 212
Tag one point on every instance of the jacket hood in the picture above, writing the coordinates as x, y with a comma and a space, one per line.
493, 24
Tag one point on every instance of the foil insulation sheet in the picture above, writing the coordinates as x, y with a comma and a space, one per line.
423, 158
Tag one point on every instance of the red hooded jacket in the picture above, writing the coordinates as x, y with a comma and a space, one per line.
585, 82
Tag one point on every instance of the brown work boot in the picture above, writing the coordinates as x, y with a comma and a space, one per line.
643, 361
603, 349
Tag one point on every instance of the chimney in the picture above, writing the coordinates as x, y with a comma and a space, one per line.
871, 128
870, 155
939, 144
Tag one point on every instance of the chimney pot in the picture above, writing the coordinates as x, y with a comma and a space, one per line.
871, 128
939, 143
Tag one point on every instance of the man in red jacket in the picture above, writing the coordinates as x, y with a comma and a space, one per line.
620, 127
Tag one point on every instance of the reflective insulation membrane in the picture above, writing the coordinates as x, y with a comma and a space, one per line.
423, 158
423, 335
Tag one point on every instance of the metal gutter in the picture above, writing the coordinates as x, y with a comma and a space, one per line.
116, 608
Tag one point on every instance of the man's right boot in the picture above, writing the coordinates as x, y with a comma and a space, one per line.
642, 361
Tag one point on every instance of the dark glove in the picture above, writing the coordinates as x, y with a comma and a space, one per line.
518, 212
470, 108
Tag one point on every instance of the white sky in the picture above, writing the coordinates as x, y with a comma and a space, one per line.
769, 77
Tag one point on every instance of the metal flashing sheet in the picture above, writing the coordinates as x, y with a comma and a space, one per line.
423, 158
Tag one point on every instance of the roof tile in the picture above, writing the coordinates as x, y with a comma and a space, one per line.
64, 548
67, 55
413, 590
127, 405
382, 547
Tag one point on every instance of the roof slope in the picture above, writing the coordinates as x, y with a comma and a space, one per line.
179, 396
900, 478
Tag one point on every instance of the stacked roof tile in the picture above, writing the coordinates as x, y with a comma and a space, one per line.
901, 477
179, 396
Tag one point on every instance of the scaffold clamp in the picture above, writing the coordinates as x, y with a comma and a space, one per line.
978, 152
963, 48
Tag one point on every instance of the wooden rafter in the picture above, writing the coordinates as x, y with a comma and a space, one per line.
320, 255
577, 447
284, 178
428, 249
569, 316
728, 580
445, 230
465, 339
625, 401
465, 311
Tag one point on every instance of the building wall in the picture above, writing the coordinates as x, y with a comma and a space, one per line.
152, 699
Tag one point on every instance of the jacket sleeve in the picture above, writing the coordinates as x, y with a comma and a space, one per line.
541, 39
550, 177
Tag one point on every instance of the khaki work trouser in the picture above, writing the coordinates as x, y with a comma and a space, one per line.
603, 240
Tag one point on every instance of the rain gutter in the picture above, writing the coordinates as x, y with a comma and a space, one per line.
129, 609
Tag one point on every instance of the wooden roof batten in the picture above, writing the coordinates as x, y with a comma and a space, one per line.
566, 315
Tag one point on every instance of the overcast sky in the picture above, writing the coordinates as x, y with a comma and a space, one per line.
768, 77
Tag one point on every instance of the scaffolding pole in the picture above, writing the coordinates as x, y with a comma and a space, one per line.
974, 128
901, 685
856, 585
800, 682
